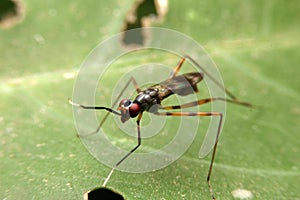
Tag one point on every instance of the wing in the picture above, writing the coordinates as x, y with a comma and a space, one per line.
184, 84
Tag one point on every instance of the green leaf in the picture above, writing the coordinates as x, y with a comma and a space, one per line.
256, 46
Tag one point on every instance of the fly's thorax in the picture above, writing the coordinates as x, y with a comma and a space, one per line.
148, 98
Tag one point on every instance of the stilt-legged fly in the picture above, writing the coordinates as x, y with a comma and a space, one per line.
150, 99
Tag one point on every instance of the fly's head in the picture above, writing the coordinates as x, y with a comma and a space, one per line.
128, 109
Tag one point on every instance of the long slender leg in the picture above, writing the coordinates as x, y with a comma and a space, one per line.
204, 101
216, 139
137, 88
177, 68
130, 152
234, 99
110, 110
211, 77
138, 137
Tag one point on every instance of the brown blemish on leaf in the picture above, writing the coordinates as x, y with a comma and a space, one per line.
142, 14
11, 12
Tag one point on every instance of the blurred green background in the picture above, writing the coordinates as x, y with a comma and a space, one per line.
256, 46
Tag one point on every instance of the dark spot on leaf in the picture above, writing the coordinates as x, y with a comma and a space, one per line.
11, 12
142, 14
102, 193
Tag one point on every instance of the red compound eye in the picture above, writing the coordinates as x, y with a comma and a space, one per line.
134, 110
